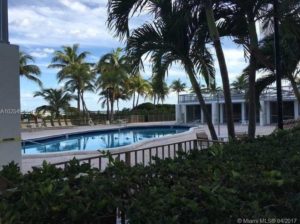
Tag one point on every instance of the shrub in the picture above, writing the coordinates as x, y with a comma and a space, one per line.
249, 179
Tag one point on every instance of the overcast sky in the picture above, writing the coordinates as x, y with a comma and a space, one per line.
40, 27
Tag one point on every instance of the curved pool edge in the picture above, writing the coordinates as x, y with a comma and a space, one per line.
137, 145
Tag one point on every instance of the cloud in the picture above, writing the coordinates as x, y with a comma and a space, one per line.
40, 23
41, 52
74, 5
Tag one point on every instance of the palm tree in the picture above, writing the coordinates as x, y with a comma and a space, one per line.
104, 99
240, 85
244, 15
207, 6
122, 94
58, 100
178, 87
174, 36
83, 79
159, 90
71, 65
30, 71
163, 93
170, 39
113, 69
290, 39
138, 86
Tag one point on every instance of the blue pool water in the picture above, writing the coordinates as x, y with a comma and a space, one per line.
99, 140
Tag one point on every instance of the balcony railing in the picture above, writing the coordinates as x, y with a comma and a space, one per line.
191, 98
268, 94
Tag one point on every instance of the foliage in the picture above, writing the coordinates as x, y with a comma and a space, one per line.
171, 37
75, 71
58, 100
30, 71
114, 69
149, 108
249, 179
240, 84
138, 85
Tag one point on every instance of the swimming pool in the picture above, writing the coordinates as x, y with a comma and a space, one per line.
98, 140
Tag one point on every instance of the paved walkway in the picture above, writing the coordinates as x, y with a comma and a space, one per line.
35, 160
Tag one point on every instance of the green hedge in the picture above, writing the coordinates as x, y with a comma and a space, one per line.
250, 179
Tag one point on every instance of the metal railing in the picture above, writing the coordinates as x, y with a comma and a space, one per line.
145, 156
191, 98
268, 94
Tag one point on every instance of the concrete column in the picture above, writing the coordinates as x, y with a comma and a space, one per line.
262, 114
296, 109
10, 144
214, 112
202, 117
268, 112
183, 114
243, 111
221, 113
178, 113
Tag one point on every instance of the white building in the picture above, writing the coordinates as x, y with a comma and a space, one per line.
188, 109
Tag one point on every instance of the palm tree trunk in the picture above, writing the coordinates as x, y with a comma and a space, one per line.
137, 100
85, 107
112, 107
252, 78
214, 33
107, 106
78, 101
295, 87
197, 90
133, 103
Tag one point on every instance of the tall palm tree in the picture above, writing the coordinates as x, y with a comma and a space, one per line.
207, 6
290, 65
71, 64
58, 100
113, 69
138, 86
163, 92
290, 43
83, 79
240, 84
178, 87
159, 90
244, 15
122, 94
104, 99
30, 71
170, 39
173, 36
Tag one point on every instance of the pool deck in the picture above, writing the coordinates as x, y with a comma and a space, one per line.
35, 160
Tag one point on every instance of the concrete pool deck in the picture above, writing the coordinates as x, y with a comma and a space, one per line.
28, 161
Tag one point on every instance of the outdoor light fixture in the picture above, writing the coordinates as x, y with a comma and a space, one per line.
278, 65
3, 22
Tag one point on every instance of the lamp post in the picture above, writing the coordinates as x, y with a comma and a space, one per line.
3, 22
278, 65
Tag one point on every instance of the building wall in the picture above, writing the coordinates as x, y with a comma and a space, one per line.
265, 115
10, 145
